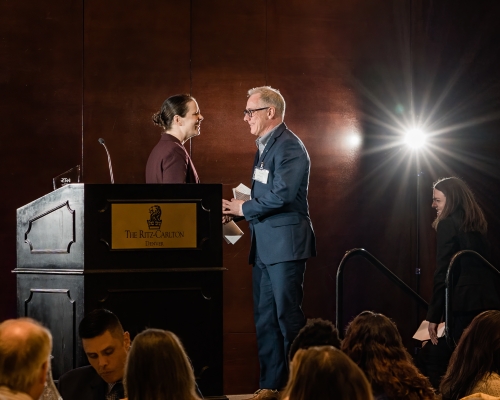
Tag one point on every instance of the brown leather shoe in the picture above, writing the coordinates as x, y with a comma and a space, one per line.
265, 394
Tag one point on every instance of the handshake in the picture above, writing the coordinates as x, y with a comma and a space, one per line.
233, 208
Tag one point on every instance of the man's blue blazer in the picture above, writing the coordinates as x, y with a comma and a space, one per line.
278, 213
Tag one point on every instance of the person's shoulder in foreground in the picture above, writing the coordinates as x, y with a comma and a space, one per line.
480, 396
80, 383
25, 347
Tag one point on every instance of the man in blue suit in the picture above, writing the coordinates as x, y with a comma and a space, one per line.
281, 233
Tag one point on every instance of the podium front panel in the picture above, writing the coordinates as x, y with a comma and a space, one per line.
68, 265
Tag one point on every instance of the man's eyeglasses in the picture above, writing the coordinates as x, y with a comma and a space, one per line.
250, 112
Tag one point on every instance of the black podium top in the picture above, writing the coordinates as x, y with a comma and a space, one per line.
95, 228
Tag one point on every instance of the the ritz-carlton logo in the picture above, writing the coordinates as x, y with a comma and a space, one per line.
154, 221
154, 224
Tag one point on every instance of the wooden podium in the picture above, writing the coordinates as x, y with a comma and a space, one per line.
152, 254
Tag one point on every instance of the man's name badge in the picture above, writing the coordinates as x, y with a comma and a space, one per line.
260, 175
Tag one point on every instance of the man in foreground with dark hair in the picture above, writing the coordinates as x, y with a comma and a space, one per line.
317, 332
106, 346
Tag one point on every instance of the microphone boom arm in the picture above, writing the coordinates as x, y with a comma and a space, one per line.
101, 140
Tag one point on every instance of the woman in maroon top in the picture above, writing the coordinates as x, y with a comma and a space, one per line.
169, 162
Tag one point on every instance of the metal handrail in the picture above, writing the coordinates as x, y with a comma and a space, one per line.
447, 330
386, 271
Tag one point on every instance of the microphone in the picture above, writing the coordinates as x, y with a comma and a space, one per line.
101, 140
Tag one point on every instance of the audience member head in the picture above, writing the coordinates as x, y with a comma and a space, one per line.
375, 345
174, 105
158, 368
25, 347
477, 356
325, 373
105, 344
316, 332
458, 197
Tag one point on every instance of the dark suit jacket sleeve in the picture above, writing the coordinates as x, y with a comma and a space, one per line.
290, 165
447, 245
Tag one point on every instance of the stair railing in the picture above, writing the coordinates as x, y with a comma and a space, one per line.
449, 273
381, 267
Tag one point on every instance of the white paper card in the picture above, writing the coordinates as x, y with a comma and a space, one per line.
231, 232
242, 192
422, 332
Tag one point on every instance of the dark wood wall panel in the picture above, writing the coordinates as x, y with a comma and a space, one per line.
41, 90
241, 367
309, 58
324, 63
382, 214
136, 55
228, 52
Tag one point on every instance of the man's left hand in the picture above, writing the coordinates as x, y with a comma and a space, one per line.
233, 207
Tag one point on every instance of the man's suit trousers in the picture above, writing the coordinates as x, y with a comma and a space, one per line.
277, 296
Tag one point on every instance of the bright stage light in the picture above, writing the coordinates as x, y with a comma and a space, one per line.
354, 140
415, 138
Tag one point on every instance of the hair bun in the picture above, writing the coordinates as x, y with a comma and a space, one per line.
157, 119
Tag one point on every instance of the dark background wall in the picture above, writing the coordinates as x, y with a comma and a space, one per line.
354, 75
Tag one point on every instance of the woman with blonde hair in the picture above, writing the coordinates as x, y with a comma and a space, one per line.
375, 345
158, 368
325, 373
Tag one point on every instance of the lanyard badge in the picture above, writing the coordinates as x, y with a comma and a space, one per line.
260, 174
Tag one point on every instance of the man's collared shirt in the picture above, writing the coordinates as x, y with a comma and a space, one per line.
262, 141
115, 391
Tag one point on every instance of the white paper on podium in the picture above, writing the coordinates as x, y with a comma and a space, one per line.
242, 192
231, 232
422, 332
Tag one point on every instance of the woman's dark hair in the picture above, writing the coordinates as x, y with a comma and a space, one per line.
374, 344
475, 358
174, 105
158, 368
316, 332
460, 198
325, 373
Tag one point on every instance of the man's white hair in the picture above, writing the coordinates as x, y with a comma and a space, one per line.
24, 346
270, 97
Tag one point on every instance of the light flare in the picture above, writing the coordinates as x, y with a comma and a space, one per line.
415, 138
